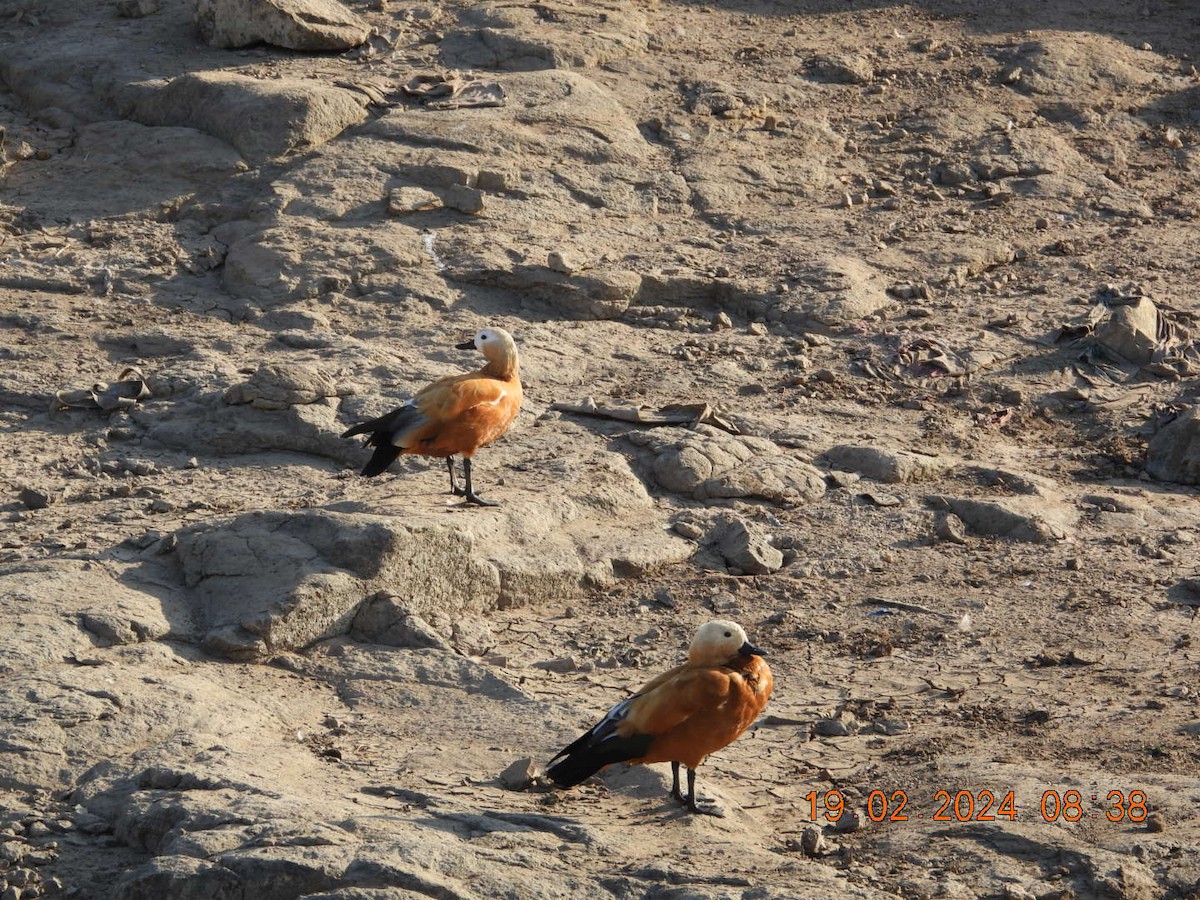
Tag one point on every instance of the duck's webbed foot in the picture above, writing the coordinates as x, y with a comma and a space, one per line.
469, 493
690, 800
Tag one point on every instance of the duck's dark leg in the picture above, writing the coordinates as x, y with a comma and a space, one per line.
675, 783
471, 496
454, 488
691, 799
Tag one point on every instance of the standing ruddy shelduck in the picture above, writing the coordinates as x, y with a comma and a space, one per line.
681, 716
455, 415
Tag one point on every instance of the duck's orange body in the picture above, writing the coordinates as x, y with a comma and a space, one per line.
453, 416
462, 413
681, 716
693, 711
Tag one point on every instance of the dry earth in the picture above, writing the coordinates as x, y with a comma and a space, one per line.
932, 266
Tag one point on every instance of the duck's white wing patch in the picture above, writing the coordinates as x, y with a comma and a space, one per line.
496, 400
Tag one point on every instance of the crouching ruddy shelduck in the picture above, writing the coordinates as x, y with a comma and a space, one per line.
453, 416
681, 716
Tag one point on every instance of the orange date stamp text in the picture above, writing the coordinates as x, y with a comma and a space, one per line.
985, 805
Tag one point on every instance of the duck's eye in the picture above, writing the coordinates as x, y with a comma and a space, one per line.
729, 634
484, 337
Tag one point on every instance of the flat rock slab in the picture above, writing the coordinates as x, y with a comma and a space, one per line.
706, 463
316, 25
172, 161
554, 36
278, 386
270, 581
64, 609
832, 292
593, 295
1030, 519
213, 425
278, 264
889, 466
262, 118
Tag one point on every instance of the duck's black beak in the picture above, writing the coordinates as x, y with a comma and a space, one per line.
748, 649
466, 345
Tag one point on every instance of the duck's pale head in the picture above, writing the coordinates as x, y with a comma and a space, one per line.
497, 345
719, 641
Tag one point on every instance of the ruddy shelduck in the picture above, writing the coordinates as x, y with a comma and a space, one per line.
453, 416
681, 716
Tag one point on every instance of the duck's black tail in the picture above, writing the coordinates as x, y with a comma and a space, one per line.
383, 432
383, 457
582, 759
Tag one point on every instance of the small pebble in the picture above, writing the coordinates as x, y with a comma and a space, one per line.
812, 842
32, 498
950, 527
849, 821
558, 261
723, 602
519, 774
562, 664
1156, 822
721, 321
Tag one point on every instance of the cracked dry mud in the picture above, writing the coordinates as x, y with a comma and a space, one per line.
931, 266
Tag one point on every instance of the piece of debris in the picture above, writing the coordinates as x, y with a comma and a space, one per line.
929, 358
673, 414
453, 91
129, 388
1125, 326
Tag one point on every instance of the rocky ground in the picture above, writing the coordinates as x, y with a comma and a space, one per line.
871, 326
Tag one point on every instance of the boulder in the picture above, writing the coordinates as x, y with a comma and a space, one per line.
1131, 331
707, 463
889, 466
262, 118
1174, 452
742, 546
1029, 519
280, 385
273, 580
313, 25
